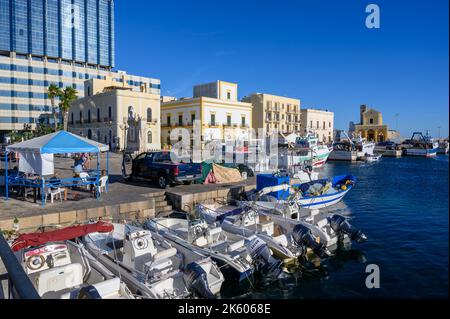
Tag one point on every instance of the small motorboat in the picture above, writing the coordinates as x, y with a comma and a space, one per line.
237, 256
323, 193
330, 229
372, 158
249, 220
60, 267
152, 267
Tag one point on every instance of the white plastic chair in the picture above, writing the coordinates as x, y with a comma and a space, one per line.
54, 193
102, 184
84, 179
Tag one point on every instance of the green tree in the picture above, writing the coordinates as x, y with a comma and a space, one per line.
14, 136
53, 92
68, 96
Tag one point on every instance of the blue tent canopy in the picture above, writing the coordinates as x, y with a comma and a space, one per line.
58, 143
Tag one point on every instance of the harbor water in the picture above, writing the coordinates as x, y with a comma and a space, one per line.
401, 204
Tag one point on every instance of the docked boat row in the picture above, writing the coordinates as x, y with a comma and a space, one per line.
269, 233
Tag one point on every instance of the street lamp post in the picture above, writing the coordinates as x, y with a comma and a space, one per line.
124, 127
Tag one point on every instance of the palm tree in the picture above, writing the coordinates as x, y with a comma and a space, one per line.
53, 92
68, 96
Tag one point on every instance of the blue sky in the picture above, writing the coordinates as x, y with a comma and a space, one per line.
318, 51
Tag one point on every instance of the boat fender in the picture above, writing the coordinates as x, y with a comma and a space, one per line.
197, 281
303, 237
262, 257
340, 224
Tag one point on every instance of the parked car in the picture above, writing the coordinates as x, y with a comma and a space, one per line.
158, 167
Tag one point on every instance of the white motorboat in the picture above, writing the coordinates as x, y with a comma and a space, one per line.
247, 222
152, 267
237, 256
372, 158
332, 229
63, 269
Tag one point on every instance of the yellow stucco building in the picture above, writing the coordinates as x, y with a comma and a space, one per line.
217, 108
275, 112
371, 125
113, 113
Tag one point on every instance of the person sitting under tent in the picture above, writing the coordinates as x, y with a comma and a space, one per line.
77, 165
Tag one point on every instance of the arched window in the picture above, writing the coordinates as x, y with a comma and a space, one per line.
89, 134
89, 116
81, 117
149, 137
371, 121
149, 114
71, 118
110, 113
98, 115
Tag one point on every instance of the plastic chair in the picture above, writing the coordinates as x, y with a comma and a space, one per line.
54, 193
102, 184
84, 179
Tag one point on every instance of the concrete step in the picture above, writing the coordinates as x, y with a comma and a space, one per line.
167, 208
156, 194
161, 204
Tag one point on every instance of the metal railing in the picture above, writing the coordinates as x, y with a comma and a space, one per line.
18, 281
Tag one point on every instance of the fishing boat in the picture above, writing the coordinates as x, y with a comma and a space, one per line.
237, 256
422, 145
443, 147
60, 267
372, 158
154, 268
351, 149
309, 149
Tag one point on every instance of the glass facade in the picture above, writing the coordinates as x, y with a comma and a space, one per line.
77, 39
75, 30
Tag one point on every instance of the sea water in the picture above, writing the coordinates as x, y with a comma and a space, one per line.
401, 204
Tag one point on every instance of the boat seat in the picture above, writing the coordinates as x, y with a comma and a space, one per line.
165, 254
108, 289
266, 227
161, 261
59, 278
221, 246
214, 234
236, 245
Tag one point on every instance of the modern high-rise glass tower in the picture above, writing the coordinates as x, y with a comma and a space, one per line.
76, 30
64, 42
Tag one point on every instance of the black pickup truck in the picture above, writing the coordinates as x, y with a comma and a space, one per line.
158, 167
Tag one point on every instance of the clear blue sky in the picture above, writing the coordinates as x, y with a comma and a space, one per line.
318, 51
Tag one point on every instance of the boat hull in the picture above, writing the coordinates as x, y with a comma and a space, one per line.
421, 152
350, 156
317, 202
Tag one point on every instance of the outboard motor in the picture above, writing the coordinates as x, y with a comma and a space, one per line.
303, 237
262, 258
341, 225
197, 281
